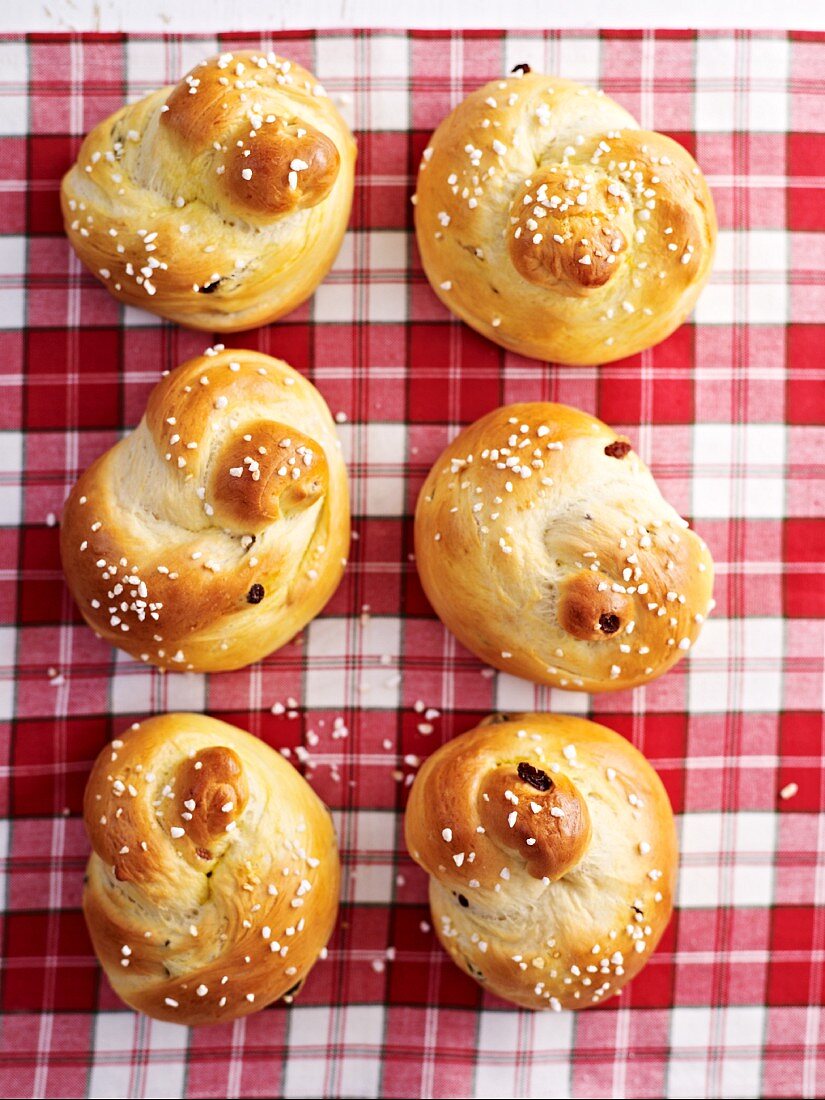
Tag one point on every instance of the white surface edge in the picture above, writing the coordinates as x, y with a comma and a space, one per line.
188, 16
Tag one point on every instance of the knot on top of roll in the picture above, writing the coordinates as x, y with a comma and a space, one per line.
538, 814
272, 160
267, 471
288, 166
210, 794
570, 229
590, 608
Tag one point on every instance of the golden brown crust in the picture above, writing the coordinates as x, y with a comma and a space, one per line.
549, 222
550, 840
252, 503
213, 882
214, 790
219, 203
545, 546
269, 191
551, 897
209, 536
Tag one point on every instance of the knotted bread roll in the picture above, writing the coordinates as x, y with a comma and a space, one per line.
550, 223
551, 850
220, 202
214, 532
545, 546
212, 887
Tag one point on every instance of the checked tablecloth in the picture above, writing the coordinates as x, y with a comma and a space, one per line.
729, 412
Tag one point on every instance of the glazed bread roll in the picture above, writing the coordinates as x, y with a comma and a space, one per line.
214, 532
550, 223
545, 546
219, 203
212, 886
551, 850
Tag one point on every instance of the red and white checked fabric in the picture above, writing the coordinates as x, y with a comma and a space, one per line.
729, 411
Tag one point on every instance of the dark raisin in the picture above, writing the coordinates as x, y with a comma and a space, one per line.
255, 594
535, 777
618, 448
524, 68
497, 718
209, 288
474, 971
609, 624
204, 853
462, 901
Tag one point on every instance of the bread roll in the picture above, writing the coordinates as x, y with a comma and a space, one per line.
216, 530
212, 887
219, 203
545, 546
551, 850
550, 223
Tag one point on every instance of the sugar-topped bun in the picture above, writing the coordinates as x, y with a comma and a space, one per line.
548, 221
212, 887
214, 532
551, 850
220, 202
544, 544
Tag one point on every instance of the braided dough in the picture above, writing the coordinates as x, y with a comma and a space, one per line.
550, 223
551, 850
545, 546
212, 887
219, 203
214, 532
